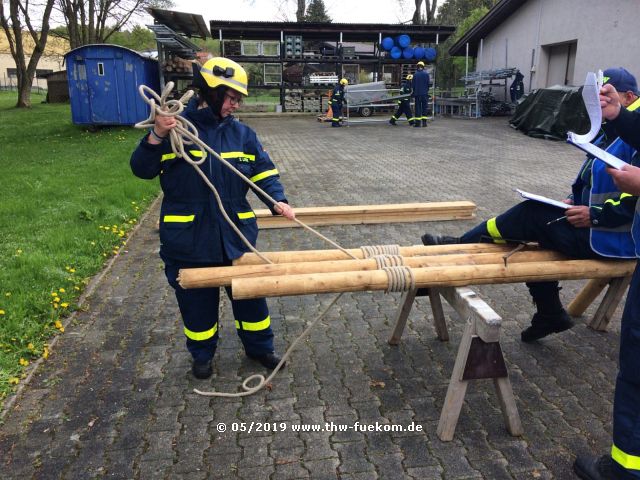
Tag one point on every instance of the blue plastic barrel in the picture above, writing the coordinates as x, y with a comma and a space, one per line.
407, 52
403, 41
387, 43
396, 52
430, 54
418, 53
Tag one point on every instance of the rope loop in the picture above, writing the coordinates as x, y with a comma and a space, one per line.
369, 251
400, 279
388, 261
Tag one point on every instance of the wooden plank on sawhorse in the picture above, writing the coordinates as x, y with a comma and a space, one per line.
615, 290
479, 354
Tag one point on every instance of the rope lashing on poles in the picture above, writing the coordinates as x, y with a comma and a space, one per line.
186, 133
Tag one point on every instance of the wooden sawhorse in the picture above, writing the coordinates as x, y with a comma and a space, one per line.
479, 353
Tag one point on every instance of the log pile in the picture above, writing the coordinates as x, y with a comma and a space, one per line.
178, 65
370, 214
327, 271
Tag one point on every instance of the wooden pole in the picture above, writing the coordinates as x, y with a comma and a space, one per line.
586, 296
442, 276
222, 276
325, 255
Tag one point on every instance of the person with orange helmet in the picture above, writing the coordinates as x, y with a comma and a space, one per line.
193, 232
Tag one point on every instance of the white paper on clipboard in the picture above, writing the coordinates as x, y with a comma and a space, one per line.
603, 155
540, 198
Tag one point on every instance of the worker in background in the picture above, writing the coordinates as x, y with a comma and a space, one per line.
337, 99
597, 225
420, 86
193, 232
624, 460
404, 104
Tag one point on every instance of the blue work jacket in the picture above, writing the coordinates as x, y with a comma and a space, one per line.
192, 229
420, 83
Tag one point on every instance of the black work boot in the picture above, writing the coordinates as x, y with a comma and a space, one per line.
268, 360
417, 124
429, 239
202, 370
594, 468
424, 123
392, 122
543, 324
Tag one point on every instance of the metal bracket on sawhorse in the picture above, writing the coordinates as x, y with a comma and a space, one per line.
479, 353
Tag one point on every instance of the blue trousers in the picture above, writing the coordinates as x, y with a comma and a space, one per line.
199, 310
336, 110
421, 107
626, 403
403, 108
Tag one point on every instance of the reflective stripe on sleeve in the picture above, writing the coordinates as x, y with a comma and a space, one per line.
168, 156
247, 156
199, 336
492, 228
254, 326
244, 215
263, 175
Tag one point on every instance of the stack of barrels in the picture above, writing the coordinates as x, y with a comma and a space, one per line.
400, 47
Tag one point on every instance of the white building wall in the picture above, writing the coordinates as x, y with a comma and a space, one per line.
605, 34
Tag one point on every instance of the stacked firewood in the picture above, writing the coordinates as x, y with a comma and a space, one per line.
178, 65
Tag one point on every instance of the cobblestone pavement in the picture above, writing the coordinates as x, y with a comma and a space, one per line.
115, 399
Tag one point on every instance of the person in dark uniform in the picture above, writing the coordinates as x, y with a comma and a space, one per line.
420, 85
597, 225
337, 99
404, 104
623, 463
193, 232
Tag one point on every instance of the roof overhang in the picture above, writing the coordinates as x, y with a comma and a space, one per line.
494, 17
188, 24
351, 32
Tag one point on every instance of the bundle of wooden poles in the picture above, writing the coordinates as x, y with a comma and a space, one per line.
325, 271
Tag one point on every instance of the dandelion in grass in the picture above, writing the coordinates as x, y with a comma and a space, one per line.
45, 352
62, 290
2, 312
23, 362
64, 305
14, 380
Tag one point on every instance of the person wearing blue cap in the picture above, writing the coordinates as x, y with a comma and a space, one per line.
624, 460
597, 224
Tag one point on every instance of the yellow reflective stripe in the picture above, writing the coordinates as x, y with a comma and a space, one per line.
196, 153
492, 228
244, 215
263, 175
168, 156
248, 156
634, 106
630, 462
179, 218
254, 326
199, 336
617, 202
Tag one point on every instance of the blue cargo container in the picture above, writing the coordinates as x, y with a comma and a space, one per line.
103, 84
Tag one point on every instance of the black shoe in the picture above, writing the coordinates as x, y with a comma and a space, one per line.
424, 123
594, 468
392, 122
417, 124
543, 324
202, 371
268, 360
428, 239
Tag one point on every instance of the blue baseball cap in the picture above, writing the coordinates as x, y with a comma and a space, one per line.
621, 79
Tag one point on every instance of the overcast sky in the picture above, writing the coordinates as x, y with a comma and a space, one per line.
341, 11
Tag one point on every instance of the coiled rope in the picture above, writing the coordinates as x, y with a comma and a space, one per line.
185, 133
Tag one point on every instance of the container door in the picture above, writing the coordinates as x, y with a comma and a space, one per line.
103, 93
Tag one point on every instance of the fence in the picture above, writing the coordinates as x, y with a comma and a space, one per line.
10, 83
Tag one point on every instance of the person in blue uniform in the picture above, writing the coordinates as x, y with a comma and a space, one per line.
337, 100
623, 463
404, 104
193, 232
420, 85
597, 223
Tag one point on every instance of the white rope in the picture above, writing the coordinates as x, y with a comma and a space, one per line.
400, 279
369, 251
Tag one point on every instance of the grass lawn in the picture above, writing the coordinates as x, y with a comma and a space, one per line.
68, 202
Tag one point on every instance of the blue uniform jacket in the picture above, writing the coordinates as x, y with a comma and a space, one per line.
337, 96
420, 83
192, 228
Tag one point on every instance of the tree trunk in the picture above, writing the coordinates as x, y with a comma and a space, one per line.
417, 16
300, 11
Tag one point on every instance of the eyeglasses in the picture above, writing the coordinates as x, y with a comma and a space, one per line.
233, 100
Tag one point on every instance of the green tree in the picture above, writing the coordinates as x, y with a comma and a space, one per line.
26, 40
429, 14
451, 68
139, 38
316, 12
453, 12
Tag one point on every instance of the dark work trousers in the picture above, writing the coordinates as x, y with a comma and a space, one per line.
421, 108
626, 404
199, 310
404, 108
527, 222
336, 111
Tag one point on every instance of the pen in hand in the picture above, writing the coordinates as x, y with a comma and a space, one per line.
557, 220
